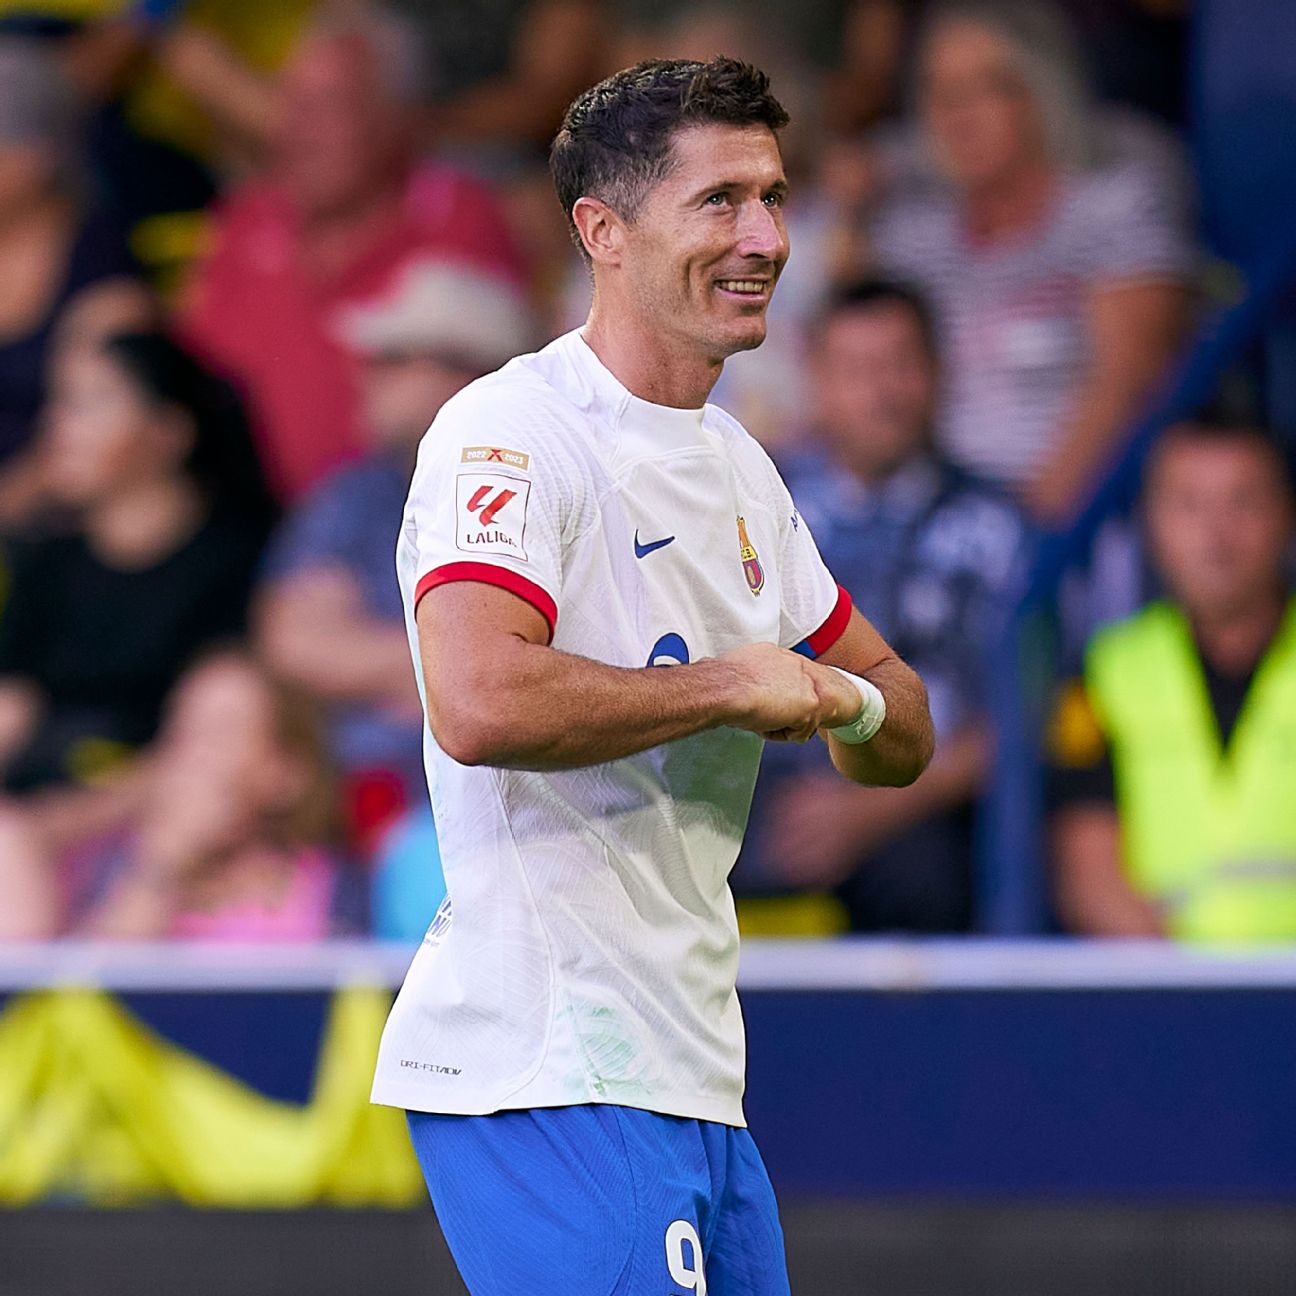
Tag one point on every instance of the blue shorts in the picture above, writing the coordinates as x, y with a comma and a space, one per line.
598, 1200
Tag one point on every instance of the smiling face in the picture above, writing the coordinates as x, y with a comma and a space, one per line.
699, 260
340, 135
875, 380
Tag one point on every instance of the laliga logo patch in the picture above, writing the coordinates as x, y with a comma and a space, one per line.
751, 562
490, 514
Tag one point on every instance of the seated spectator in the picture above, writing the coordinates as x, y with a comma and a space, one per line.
934, 559
1175, 756
329, 612
151, 456
54, 250
1059, 282
342, 210
234, 835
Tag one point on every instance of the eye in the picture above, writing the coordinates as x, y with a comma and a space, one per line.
774, 199
717, 199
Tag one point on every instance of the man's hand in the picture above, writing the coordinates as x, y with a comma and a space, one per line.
783, 696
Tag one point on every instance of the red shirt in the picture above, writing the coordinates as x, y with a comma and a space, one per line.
257, 311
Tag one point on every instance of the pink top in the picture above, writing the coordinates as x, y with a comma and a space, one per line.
256, 313
304, 913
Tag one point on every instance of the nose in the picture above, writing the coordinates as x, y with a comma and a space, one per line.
761, 233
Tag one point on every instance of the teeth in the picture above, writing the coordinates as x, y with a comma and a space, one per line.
742, 285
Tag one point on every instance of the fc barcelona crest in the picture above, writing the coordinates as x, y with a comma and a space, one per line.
751, 562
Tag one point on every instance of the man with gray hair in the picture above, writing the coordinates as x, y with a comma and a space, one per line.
343, 209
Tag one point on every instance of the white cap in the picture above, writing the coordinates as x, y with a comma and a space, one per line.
443, 308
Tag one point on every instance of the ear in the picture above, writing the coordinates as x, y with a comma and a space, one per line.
601, 230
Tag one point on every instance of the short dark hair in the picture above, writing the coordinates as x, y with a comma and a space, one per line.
1212, 430
615, 140
865, 294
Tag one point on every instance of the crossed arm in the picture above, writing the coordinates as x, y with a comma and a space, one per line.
514, 702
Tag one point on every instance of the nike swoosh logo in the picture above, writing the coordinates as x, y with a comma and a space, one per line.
643, 550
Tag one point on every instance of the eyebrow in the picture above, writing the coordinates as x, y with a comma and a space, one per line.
779, 187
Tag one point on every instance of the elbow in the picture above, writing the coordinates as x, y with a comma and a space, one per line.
907, 767
465, 743
470, 734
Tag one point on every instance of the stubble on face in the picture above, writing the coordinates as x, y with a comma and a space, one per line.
709, 241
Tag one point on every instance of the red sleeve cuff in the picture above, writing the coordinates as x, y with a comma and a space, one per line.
489, 574
833, 627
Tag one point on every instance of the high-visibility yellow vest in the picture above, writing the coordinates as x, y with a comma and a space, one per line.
1209, 834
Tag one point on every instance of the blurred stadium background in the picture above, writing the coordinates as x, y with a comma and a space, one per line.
1021, 1030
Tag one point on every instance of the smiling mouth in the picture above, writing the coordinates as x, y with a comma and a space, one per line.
754, 288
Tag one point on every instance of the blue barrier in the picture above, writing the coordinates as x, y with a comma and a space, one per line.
972, 1070
1011, 887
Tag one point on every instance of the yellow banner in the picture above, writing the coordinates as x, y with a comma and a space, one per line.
96, 1106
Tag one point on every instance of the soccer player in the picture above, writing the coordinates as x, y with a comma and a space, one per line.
568, 1041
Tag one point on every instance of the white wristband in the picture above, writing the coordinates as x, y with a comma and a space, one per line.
872, 712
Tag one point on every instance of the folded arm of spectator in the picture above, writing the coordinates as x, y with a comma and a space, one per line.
1135, 328
240, 100
559, 49
313, 628
1092, 894
823, 827
102, 55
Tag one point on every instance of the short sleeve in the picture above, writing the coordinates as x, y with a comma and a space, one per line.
814, 609
1132, 227
493, 499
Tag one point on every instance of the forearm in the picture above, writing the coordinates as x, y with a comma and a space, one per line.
137, 907
901, 749
359, 662
532, 707
1093, 894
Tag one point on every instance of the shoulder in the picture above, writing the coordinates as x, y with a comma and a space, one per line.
1124, 219
515, 404
969, 500
255, 203
978, 521
511, 423
348, 497
1107, 193
1133, 630
749, 459
43, 551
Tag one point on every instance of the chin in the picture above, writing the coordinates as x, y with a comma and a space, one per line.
746, 337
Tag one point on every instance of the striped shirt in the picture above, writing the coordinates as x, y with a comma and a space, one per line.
1011, 316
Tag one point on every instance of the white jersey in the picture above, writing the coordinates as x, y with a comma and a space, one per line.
587, 948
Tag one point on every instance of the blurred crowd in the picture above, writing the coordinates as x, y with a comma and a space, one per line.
249, 250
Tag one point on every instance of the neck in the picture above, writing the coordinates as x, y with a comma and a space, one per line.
329, 234
1013, 202
656, 368
144, 524
1234, 642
